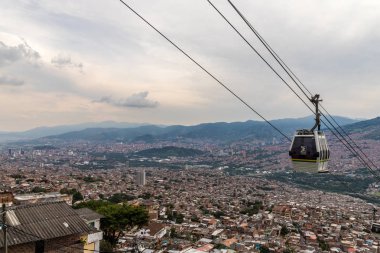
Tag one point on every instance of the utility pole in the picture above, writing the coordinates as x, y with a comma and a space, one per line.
4, 226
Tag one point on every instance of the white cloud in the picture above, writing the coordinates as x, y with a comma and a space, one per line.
62, 61
137, 100
12, 81
11, 54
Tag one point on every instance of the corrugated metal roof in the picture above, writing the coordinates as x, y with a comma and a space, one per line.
88, 214
43, 221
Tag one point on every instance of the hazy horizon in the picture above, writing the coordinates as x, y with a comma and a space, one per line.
150, 123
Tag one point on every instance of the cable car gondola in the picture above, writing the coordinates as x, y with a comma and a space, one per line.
309, 151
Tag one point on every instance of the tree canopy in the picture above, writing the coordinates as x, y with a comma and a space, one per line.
117, 218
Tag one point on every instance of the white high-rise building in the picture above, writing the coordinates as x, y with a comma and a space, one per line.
140, 177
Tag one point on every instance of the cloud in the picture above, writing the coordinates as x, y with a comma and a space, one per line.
11, 54
61, 61
11, 81
137, 100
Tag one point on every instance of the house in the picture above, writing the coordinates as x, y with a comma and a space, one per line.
93, 220
45, 227
6, 198
34, 198
153, 231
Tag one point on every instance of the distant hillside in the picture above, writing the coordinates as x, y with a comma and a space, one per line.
169, 151
109, 134
369, 128
56, 130
218, 132
222, 132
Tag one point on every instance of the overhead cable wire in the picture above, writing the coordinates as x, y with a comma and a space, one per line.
348, 136
291, 75
294, 77
182, 51
348, 146
261, 57
212, 76
205, 70
271, 51
352, 150
283, 80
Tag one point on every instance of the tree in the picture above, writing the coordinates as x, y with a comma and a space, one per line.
289, 250
38, 189
264, 249
179, 218
68, 191
252, 208
145, 195
117, 218
92, 204
120, 197
105, 246
284, 230
173, 233
194, 218
220, 246
218, 214
77, 196
323, 245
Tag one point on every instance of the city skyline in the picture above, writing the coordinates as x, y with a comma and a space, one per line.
70, 63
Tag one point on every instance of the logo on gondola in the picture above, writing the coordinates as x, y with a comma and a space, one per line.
303, 150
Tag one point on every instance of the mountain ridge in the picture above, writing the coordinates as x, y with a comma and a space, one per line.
218, 131
43, 131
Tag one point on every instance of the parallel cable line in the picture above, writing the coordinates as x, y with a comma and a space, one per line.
294, 77
271, 51
212, 76
258, 54
342, 139
355, 144
350, 148
205, 70
220, 82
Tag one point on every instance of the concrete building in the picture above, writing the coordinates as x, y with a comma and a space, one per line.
93, 220
140, 177
33, 198
6, 198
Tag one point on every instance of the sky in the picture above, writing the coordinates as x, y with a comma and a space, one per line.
68, 62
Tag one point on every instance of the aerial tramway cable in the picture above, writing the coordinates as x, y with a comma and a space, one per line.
299, 83
342, 139
212, 76
205, 70
295, 78
222, 84
309, 150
